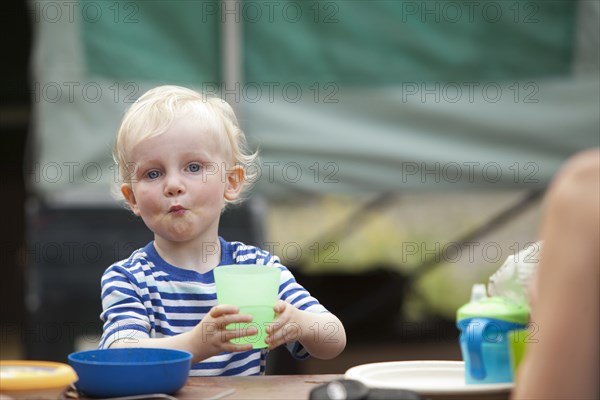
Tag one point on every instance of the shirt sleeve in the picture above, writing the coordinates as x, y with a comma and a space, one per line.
124, 314
292, 292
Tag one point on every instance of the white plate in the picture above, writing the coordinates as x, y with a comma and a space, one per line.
423, 377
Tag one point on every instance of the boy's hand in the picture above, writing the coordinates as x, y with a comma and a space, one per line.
211, 336
286, 327
321, 334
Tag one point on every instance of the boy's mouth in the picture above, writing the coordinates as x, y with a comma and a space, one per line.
176, 209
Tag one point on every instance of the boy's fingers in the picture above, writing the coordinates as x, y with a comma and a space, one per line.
233, 348
223, 309
279, 306
234, 318
238, 333
272, 326
273, 342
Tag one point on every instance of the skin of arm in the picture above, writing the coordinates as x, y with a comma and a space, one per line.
322, 334
208, 338
562, 361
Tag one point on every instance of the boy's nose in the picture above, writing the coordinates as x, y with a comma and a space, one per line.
174, 186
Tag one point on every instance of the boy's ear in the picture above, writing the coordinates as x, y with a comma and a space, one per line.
127, 192
235, 182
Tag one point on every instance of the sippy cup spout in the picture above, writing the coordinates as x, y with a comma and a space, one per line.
478, 292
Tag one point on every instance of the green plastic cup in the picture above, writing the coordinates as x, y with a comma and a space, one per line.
254, 289
518, 345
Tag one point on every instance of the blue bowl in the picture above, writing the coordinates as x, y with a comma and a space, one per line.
129, 372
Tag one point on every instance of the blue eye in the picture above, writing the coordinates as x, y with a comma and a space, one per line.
152, 174
194, 167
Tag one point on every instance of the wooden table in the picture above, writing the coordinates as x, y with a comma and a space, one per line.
282, 387
252, 387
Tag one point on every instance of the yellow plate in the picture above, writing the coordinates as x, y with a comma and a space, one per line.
34, 375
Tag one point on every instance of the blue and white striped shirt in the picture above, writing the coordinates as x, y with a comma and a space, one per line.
143, 296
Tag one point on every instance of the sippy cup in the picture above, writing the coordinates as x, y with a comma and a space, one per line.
493, 331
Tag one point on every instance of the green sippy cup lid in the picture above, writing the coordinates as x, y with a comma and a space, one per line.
497, 308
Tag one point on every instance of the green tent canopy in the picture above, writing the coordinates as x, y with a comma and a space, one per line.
339, 96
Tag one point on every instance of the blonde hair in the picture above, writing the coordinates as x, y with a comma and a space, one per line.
154, 112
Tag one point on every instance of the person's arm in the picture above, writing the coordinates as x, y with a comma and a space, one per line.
127, 323
123, 312
302, 322
207, 339
562, 361
321, 334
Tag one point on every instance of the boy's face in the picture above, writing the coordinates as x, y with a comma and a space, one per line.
180, 182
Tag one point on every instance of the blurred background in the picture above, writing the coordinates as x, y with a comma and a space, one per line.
406, 147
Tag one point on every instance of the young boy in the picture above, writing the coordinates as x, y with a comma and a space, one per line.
181, 157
